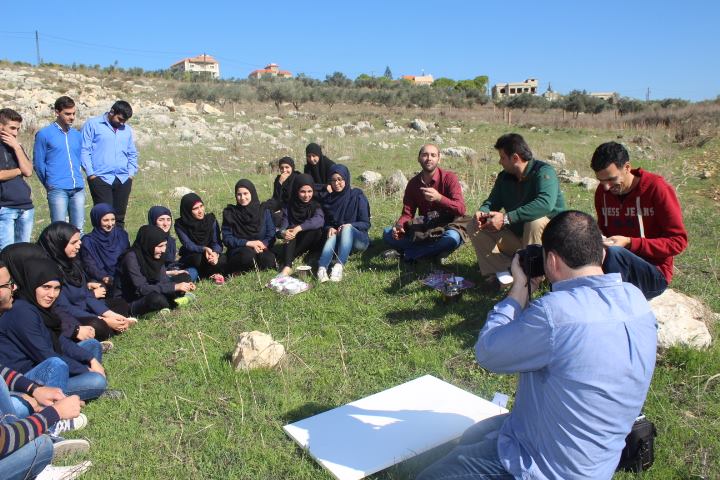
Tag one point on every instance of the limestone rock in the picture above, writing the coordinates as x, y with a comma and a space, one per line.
179, 192
389, 124
588, 183
168, 103
458, 152
338, 131
365, 125
681, 320
558, 158
454, 130
162, 119
343, 159
418, 125
436, 139
209, 110
370, 178
396, 182
256, 350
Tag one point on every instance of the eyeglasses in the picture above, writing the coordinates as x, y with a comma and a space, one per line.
9, 285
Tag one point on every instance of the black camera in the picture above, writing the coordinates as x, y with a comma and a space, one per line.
531, 260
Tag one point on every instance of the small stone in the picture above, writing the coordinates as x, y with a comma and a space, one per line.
453, 130
396, 182
256, 350
558, 158
179, 192
338, 131
418, 125
681, 320
370, 178
706, 174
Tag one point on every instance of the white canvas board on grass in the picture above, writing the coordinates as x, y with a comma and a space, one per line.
376, 432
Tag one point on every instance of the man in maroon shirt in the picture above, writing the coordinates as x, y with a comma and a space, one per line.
436, 196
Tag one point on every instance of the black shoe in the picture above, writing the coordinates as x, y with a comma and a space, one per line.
391, 254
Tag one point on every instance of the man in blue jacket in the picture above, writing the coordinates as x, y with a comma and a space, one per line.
109, 158
56, 158
16, 208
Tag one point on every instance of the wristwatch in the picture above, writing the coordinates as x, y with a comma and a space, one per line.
506, 220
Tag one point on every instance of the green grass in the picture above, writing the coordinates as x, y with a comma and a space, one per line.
189, 415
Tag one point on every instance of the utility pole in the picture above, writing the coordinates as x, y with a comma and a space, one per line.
37, 48
647, 95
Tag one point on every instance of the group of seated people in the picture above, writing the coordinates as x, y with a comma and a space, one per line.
64, 295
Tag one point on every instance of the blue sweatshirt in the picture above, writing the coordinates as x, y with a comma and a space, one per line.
56, 157
235, 243
25, 342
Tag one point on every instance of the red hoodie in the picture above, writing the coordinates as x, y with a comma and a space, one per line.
650, 215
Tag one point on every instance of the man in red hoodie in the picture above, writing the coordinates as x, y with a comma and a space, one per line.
640, 215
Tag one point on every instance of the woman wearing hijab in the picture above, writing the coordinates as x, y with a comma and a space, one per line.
31, 339
141, 277
318, 166
282, 188
247, 231
347, 221
199, 235
61, 241
162, 217
102, 247
302, 223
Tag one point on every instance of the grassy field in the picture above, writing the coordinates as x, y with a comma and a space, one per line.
187, 414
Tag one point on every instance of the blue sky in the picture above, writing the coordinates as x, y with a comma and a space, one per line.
624, 46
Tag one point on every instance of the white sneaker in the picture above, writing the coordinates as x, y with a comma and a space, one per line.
61, 426
336, 273
69, 447
322, 275
505, 278
52, 472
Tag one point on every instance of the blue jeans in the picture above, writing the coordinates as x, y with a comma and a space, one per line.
475, 457
54, 372
633, 269
15, 225
351, 240
28, 461
449, 241
67, 203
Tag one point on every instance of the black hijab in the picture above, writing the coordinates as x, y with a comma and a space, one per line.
319, 171
199, 231
342, 207
14, 255
283, 191
246, 222
32, 273
149, 237
299, 211
53, 240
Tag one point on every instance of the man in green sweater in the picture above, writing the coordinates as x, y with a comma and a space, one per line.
528, 192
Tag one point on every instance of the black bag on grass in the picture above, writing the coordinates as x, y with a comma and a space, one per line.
639, 452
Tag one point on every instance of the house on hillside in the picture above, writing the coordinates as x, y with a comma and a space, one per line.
605, 95
501, 90
419, 79
270, 70
201, 63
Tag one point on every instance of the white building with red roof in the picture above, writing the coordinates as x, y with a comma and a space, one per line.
270, 70
201, 63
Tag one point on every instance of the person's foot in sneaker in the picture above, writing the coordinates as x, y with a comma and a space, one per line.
107, 345
322, 275
77, 423
69, 447
336, 273
51, 472
391, 254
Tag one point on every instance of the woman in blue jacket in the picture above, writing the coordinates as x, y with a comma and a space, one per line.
248, 231
199, 234
61, 241
301, 224
102, 247
31, 339
347, 221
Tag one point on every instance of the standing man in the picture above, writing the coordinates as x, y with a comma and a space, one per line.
585, 355
56, 158
109, 158
529, 192
640, 214
16, 208
437, 197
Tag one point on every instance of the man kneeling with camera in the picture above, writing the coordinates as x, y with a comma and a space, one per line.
585, 354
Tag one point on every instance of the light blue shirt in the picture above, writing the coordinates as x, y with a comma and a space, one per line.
56, 157
107, 152
585, 354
